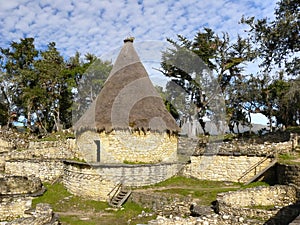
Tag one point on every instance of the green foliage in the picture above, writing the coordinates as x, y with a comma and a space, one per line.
195, 66
278, 46
42, 83
278, 40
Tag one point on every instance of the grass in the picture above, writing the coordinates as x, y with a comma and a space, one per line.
191, 182
56, 136
74, 210
289, 158
203, 190
255, 184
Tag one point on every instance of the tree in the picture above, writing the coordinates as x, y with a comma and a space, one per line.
278, 40
93, 76
20, 76
204, 67
278, 47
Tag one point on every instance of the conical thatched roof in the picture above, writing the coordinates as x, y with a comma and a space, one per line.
128, 99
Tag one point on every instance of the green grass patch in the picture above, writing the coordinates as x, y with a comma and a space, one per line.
191, 182
289, 158
255, 184
205, 196
56, 136
74, 210
61, 200
135, 163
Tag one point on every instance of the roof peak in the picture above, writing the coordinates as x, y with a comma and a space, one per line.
129, 39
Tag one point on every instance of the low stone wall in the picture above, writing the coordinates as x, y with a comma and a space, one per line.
138, 175
16, 195
14, 207
246, 202
222, 167
16, 185
197, 147
288, 174
5, 145
96, 181
43, 214
64, 149
47, 170
82, 180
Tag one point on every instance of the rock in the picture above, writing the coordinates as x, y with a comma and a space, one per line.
225, 217
198, 210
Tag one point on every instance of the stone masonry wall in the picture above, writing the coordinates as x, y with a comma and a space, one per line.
221, 168
198, 147
120, 146
5, 145
244, 202
13, 185
16, 195
140, 174
14, 207
96, 181
64, 149
82, 180
288, 174
47, 170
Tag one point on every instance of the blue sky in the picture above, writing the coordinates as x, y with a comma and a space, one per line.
99, 26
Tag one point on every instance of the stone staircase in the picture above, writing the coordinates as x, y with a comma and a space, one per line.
258, 169
120, 195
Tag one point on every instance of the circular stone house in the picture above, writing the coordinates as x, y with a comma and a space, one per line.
128, 122
126, 136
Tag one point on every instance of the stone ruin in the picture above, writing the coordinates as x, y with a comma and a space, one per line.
16, 194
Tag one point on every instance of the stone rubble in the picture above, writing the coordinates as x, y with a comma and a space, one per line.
42, 215
205, 220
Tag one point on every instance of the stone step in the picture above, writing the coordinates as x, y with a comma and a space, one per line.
120, 198
261, 172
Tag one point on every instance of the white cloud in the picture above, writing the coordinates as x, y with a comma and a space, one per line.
99, 26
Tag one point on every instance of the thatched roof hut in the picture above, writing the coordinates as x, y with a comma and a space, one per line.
128, 100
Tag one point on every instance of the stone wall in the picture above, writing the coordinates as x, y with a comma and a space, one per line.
14, 207
64, 149
288, 174
222, 168
162, 204
246, 202
197, 147
13, 185
47, 170
121, 146
96, 181
82, 180
41, 215
16, 195
40, 150
5, 145
140, 174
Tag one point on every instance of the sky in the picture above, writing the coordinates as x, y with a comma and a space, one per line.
99, 26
